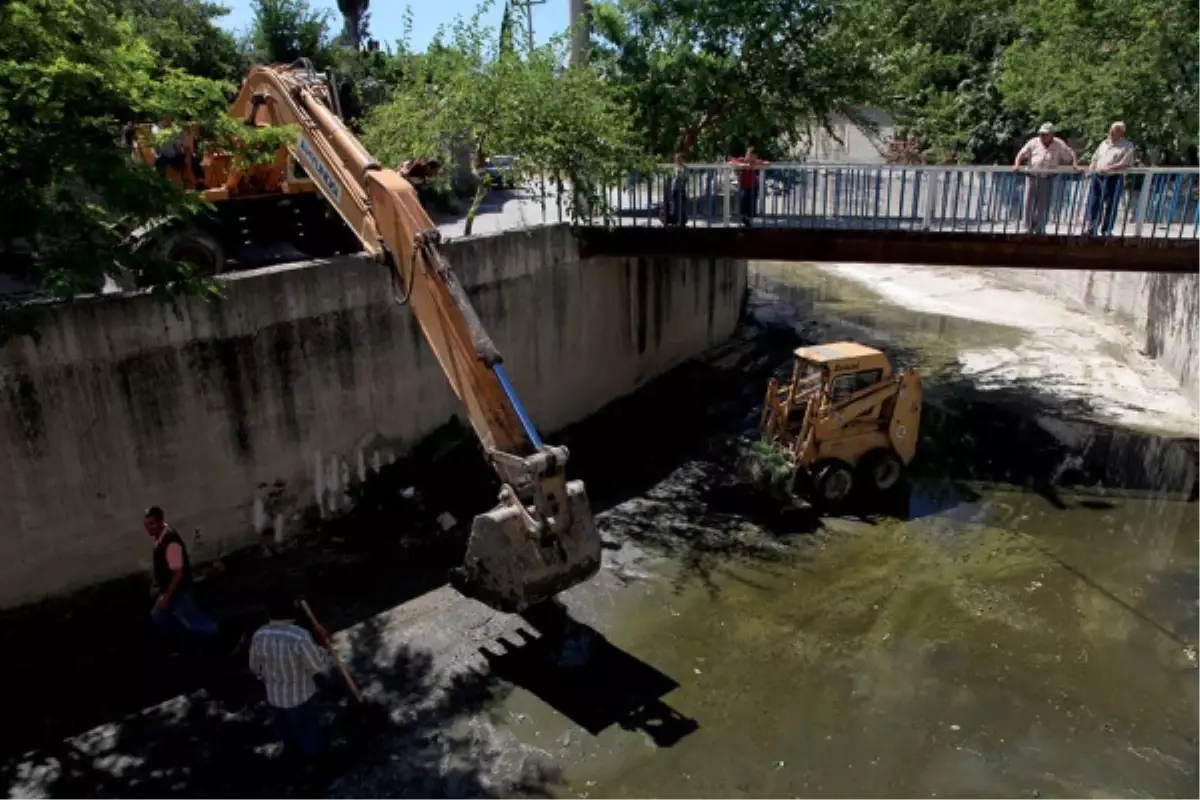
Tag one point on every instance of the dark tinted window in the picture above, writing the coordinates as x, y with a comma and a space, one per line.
847, 385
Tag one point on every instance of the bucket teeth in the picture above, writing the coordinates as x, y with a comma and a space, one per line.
511, 568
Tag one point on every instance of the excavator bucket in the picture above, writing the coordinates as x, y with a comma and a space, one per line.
510, 568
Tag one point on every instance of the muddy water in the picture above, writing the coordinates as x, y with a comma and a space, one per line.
1024, 625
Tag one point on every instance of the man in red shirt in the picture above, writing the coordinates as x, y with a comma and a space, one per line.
749, 177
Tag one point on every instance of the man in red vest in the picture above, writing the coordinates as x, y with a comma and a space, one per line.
175, 605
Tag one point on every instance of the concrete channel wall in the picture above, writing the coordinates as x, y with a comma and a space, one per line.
241, 416
1162, 310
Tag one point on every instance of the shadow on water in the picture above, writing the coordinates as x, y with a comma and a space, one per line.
573, 668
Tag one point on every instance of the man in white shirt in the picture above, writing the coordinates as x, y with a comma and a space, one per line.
285, 658
1112, 158
1044, 155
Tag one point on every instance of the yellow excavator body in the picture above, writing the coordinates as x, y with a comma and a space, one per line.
541, 538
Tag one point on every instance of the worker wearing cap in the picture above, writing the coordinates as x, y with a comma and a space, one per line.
1043, 155
1112, 158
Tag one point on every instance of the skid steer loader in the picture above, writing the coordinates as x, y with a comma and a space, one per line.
846, 419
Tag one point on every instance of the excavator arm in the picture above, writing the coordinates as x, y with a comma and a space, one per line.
541, 539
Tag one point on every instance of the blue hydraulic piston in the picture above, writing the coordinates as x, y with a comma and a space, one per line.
526, 423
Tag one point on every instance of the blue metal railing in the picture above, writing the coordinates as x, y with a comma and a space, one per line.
1145, 203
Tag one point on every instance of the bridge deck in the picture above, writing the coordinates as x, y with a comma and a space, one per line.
884, 246
1146, 220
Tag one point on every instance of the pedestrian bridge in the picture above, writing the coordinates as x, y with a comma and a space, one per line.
1147, 220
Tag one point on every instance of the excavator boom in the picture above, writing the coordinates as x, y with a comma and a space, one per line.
541, 539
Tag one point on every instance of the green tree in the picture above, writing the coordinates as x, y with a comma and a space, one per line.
354, 18
71, 73
285, 30
470, 96
1086, 63
703, 73
940, 64
185, 36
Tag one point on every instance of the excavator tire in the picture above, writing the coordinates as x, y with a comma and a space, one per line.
197, 248
833, 483
882, 470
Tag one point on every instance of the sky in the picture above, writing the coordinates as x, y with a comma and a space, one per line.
387, 17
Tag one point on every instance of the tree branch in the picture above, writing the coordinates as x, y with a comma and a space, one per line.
711, 118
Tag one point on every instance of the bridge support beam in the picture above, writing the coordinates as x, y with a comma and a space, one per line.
897, 247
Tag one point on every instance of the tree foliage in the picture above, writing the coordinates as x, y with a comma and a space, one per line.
355, 22
1133, 60
72, 72
468, 97
700, 74
975, 79
285, 30
940, 63
185, 36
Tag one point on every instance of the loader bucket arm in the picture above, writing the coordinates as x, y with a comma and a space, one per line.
541, 539
904, 426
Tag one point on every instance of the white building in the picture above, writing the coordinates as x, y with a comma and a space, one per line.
857, 145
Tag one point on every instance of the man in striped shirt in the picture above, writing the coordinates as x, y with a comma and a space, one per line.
286, 659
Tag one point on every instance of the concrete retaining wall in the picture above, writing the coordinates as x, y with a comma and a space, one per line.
242, 415
1162, 310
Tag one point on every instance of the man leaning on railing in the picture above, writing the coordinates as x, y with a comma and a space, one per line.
1043, 154
749, 174
1112, 158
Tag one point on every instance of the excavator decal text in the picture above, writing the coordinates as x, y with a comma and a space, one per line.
317, 167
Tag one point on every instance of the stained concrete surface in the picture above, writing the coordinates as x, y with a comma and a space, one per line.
254, 417
1020, 622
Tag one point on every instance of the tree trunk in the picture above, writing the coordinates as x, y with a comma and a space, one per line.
481, 189
480, 193
690, 135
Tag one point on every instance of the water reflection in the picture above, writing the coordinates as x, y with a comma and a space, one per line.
1019, 619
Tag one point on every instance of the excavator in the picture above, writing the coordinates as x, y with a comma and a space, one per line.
541, 538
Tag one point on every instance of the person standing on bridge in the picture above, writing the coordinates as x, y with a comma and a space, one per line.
1044, 154
674, 207
748, 179
1112, 158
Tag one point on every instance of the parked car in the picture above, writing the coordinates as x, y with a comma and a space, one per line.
503, 171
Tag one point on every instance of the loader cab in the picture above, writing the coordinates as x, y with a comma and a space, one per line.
846, 418
845, 369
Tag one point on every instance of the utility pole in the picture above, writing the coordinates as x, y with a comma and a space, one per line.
581, 32
528, 6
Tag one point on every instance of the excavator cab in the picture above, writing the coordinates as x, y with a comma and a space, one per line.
845, 418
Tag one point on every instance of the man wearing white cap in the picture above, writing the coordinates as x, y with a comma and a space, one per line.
1113, 156
1043, 155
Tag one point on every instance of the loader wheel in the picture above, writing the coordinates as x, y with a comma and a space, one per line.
834, 483
883, 470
